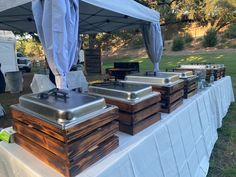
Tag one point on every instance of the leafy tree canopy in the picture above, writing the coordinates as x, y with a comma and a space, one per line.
218, 13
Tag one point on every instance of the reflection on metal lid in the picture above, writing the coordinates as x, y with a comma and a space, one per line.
121, 91
183, 74
62, 111
160, 78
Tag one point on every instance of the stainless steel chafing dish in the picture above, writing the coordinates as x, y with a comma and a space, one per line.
202, 66
182, 74
125, 92
195, 67
60, 108
151, 78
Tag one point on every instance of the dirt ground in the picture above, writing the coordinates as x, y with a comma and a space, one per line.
8, 99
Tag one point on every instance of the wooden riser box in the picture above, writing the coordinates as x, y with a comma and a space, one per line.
134, 118
133, 108
168, 90
168, 100
67, 151
190, 88
71, 150
190, 94
173, 106
138, 127
60, 165
172, 97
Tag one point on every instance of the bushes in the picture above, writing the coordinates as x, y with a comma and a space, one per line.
178, 43
231, 32
188, 38
210, 38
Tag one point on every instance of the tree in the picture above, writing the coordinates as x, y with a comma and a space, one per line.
218, 13
29, 46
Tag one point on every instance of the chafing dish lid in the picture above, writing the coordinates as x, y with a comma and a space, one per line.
60, 110
202, 66
120, 90
183, 74
194, 66
159, 78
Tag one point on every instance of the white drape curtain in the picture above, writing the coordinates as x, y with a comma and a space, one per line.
77, 56
57, 23
153, 42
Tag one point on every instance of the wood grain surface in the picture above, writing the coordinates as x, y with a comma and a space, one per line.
134, 129
132, 108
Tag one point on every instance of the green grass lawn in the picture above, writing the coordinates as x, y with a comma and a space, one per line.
223, 158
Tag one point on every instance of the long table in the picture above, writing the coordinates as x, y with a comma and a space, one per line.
179, 145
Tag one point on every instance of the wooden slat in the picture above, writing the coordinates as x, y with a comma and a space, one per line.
130, 119
172, 107
64, 150
136, 107
190, 94
47, 157
190, 81
60, 165
169, 99
167, 90
37, 124
93, 62
134, 129
88, 126
70, 134
94, 139
92, 52
192, 87
92, 157
55, 146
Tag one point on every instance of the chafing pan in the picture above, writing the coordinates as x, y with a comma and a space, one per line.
125, 92
151, 78
64, 111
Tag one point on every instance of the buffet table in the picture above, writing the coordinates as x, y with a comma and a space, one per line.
180, 144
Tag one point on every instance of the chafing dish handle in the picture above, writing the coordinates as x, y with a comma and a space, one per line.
56, 93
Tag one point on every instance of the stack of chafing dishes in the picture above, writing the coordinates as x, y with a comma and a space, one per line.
208, 70
138, 104
69, 132
220, 68
168, 84
190, 82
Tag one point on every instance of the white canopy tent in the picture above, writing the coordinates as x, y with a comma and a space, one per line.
94, 16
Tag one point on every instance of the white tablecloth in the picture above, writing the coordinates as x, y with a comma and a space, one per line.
178, 145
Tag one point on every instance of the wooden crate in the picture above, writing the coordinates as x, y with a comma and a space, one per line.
172, 107
172, 97
138, 127
168, 90
133, 118
190, 94
71, 150
223, 71
190, 87
93, 61
60, 165
132, 108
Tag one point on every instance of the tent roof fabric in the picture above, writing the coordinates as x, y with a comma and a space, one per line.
8, 4
95, 15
